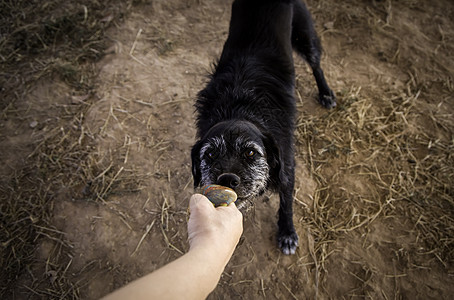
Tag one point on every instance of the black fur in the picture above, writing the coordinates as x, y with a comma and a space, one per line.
250, 96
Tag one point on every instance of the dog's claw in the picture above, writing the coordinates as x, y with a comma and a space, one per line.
328, 100
288, 243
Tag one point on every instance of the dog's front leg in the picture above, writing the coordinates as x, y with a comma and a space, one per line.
287, 237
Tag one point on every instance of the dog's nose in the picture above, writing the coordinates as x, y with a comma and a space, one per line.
229, 180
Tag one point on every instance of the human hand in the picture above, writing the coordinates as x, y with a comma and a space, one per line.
215, 230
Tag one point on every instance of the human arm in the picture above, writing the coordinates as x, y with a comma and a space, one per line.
213, 234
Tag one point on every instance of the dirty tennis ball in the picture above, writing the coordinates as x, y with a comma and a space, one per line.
219, 195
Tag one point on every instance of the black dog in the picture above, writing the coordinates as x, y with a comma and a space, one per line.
246, 112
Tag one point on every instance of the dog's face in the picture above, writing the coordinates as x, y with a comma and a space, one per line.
234, 154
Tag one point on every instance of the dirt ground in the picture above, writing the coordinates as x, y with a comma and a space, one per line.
106, 204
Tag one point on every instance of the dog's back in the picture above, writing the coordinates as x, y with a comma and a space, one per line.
260, 27
254, 77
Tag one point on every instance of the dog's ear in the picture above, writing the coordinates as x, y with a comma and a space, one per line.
274, 159
195, 157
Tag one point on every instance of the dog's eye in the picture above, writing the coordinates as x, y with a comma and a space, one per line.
210, 154
249, 153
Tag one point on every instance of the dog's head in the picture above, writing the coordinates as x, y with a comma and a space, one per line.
235, 154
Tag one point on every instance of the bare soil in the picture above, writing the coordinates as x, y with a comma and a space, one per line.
374, 205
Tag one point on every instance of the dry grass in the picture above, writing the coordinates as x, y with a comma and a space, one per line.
64, 163
380, 140
52, 37
401, 173
61, 40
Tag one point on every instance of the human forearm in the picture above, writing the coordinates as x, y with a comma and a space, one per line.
213, 234
193, 275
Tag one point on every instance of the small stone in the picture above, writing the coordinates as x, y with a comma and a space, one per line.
329, 25
33, 124
219, 195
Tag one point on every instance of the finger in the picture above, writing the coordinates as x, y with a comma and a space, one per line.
231, 206
199, 201
231, 210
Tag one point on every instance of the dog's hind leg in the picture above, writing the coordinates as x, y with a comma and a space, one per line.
306, 42
287, 237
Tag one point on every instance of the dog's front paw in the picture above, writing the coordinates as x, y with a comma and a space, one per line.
288, 243
328, 100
